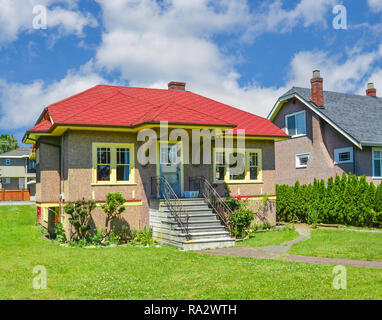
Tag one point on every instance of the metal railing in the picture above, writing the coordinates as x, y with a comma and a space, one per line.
208, 192
160, 188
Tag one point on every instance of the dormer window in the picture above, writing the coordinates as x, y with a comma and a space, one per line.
296, 124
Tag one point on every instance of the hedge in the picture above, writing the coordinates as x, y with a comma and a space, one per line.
344, 200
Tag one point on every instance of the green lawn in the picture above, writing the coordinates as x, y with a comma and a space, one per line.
341, 244
269, 238
158, 273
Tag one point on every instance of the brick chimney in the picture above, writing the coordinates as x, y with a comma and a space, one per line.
371, 91
317, 89
177, 86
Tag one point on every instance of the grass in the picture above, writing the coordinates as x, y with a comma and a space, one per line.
269, 238
341, 244
158, 273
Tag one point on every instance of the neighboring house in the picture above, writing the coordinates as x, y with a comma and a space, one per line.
87, 146
331, 133
17, 171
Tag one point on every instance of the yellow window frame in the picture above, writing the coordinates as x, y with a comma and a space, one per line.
247, 178
113, 163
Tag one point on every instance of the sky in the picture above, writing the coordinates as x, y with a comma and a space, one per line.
241, 52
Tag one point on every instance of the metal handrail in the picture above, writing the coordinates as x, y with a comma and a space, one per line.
173, 203
217, 203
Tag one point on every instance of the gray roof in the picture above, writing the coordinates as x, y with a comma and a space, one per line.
359, 116
17, 153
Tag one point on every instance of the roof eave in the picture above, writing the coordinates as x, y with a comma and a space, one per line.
371, 144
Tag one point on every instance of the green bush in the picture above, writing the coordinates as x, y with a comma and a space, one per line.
342, 200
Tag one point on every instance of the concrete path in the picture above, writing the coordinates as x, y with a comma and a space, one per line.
16, 203
281, 252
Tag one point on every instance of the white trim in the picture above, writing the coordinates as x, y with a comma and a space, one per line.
274, 112
298, 157
14, 157
343, 150
372, 162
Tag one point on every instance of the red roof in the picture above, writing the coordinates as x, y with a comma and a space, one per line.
129, 107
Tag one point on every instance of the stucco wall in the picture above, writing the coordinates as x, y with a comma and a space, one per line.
320, 141
77, 175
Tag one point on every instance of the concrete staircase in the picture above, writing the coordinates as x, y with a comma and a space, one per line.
204, 229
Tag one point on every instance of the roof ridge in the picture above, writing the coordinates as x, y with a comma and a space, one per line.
146, 101
73, 96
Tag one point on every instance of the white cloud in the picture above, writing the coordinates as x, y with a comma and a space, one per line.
21, 104
151, 44
17, 16
346, 75
375, 5
272, 17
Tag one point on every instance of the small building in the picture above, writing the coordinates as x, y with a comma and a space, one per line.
91, 144
17, 173
331, 133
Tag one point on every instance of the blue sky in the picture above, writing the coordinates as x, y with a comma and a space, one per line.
244, 53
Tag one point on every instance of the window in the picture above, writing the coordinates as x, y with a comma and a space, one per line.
343, 155
113, 163
239, 166
296, 124
123, 164
302, 160
219, 166
5, 180
103, 164
253, 165
7, 162
377, 162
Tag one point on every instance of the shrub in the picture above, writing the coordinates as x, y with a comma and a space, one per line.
143, 237
343, 200
241, 220
113, 209
80, 213
59, 232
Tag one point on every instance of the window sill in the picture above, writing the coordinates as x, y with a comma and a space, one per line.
377, 178
298, 136
304, 167
239, 182
344, 162
113, 184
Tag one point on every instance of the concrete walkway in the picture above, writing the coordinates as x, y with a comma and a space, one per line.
281, 252
16, 203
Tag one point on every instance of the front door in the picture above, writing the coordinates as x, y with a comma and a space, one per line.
170, 166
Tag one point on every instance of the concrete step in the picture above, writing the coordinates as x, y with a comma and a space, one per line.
206, 235
219, 228
197, 223
189, 209
213, 243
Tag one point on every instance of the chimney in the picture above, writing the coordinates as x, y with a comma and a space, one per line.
317, 89
371, 91
177, 86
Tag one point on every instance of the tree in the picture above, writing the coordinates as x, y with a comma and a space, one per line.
8, 143
113, 208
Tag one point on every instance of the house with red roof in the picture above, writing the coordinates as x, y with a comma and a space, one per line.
173, 154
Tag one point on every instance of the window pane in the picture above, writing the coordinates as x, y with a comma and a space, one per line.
123, 156
220, 173
291, 125
237, 166
378, 155
344, 156
300, 123
253, 159
304, 161
219, 158
253, 173
377, 168
103, 173
123, 173
103, 156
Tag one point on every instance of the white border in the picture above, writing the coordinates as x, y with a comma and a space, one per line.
298, 156
343, 150
372, 161
292, 115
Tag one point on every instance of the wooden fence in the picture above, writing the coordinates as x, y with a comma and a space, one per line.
14, 195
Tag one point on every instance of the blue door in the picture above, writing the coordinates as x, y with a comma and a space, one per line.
170, 166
